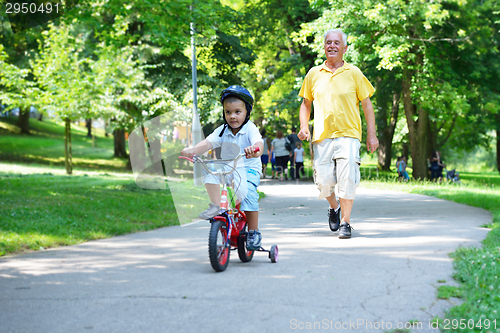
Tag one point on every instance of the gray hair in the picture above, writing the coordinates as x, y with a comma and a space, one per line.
344, 35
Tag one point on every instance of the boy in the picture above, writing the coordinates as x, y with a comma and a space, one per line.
237, 103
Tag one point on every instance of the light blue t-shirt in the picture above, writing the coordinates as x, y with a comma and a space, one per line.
300, 154
247, 136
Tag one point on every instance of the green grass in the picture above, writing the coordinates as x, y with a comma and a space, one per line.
476, 269
45, 210
445, 292
45, 146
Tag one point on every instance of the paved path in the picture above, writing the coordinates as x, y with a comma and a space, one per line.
162, 281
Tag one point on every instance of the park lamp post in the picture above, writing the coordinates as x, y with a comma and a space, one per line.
196, 128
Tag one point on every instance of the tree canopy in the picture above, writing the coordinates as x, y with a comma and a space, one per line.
435, 65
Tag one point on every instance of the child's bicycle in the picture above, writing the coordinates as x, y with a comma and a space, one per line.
228, 228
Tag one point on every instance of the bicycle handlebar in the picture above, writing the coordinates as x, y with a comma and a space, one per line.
197, 159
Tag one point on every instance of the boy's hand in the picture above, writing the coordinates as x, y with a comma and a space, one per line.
188, 152
251, 151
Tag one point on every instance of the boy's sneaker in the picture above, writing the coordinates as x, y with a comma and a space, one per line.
212, 211
345, 230
334, 219
254, 239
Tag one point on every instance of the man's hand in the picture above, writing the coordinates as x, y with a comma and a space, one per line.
304, 134
371, 143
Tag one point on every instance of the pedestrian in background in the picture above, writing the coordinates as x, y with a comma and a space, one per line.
264, 158
293, 139
298, 158
401, 168
273, 165
281, 154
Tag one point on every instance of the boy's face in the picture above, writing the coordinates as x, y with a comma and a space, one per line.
235, 113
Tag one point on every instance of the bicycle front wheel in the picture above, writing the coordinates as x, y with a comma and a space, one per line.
217, 250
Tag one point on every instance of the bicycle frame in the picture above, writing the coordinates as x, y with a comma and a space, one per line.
231, 221
229, 214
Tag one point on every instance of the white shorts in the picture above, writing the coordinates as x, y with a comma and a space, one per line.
246, 182
336, 162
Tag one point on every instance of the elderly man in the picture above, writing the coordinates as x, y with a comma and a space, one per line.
336, 88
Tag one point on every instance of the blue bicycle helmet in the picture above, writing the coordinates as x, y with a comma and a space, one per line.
240, 93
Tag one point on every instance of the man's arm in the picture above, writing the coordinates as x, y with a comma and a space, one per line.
304, 115
371, 140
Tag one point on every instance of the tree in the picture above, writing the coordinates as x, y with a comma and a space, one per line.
64, 82
281, 61
124, 95
18, 49
159, 36
478, 65
387, 101
416, 40
17, 90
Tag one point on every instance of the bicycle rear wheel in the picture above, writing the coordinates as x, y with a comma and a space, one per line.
217, 250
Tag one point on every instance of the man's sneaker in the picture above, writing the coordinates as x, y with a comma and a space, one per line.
254, 239
212, 211
334, 219
345, 230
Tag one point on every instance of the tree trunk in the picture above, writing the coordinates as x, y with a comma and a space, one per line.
385, 144
432, 139
88, 124
119, 143
406, 150
106, 125
68, 160
418, 127
129, 164
24, 120
40, 117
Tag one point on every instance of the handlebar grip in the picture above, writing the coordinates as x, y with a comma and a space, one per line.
187, 158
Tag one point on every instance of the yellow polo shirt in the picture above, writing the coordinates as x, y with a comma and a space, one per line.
336, 98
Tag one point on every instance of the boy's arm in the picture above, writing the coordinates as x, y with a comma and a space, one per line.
199, 149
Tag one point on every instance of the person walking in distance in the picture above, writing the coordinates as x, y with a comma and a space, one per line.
293, 139
264, 158
298, 158
336, 88
281, 154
